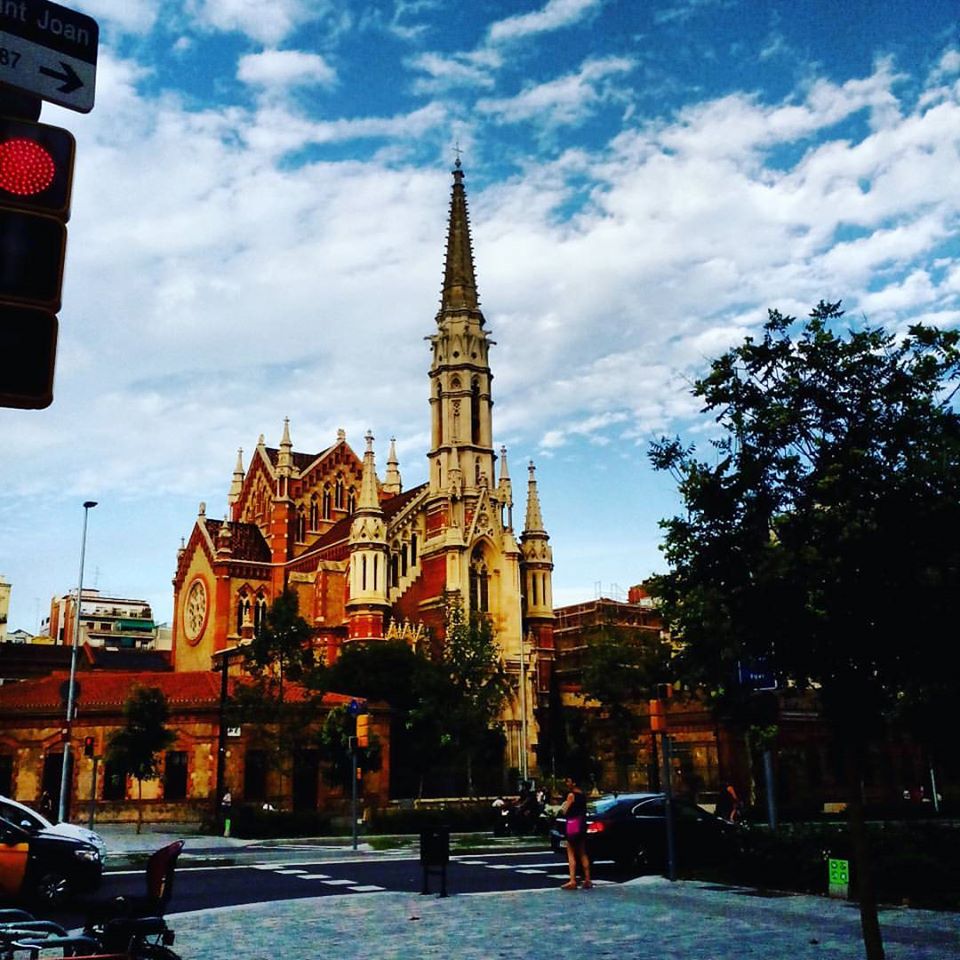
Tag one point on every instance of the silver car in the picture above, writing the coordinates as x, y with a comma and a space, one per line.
33, 822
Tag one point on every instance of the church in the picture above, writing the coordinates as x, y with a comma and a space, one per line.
370, 560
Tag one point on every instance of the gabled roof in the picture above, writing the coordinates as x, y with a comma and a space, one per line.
246, 542
111, 690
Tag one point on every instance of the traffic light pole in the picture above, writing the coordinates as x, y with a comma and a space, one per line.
93, 789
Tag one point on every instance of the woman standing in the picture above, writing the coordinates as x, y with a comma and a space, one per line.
575, 810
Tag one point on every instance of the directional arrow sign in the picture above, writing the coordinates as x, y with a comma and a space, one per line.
49, 51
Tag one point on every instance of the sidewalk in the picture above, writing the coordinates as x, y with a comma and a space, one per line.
645, 918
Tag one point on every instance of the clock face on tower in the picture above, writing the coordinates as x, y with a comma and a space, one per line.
195, 611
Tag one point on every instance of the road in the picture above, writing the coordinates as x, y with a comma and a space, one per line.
290, 874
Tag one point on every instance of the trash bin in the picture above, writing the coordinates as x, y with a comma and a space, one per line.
435, 855
435, 846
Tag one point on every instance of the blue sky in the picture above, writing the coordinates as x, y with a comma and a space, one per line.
258, 225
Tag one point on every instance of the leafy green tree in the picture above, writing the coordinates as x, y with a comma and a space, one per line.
480, 685
833, 490
280, 652
281, 647
334, 741
620, 673
137, 745
415, 688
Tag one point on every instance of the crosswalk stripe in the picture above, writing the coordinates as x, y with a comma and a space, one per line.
367, 888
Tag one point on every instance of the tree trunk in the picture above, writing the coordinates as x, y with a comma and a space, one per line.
139, 805
863, 871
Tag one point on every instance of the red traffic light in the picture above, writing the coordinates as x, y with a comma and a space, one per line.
89, 746
36, 167
26, 168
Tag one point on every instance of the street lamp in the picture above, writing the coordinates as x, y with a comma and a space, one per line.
64, 779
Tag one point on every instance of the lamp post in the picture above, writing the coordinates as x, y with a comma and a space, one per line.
64, 778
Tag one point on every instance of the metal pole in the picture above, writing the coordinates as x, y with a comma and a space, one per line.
771, 788
93, 790
68, 742
353, 808
668, 809
218, 812
523, 709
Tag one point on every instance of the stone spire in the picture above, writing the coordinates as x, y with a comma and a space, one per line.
367, 584
459, 280
392, 482
285, 457
236, 487
534, 519
369, 500
505, 488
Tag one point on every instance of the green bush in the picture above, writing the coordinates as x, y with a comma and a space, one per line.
252, 823
916, 863
458, 817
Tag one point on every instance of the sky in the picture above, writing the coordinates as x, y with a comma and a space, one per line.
258, 228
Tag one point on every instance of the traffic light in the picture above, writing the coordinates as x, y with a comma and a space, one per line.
89, 746
36, 176
363, 729
36, 167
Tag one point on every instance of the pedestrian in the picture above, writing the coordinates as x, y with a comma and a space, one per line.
728, 806
575, 810
225, 806
46, 804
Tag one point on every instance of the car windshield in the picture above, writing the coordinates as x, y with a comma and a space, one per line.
16, 813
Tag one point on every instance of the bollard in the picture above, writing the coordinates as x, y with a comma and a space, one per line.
435, 855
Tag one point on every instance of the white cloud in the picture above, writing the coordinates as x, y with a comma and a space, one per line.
565, 101
553, 16
267, 23
129, 16
456, 71
285, 68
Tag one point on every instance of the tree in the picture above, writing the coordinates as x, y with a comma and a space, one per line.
835, 487
480, 685
415, 688
281, 651
281, 647
620, 673
136, 747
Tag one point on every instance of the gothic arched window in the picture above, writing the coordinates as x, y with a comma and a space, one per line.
479, 581
475, 410
338, 495
260, 613
301, 526
326, 502
351, 500
314, 513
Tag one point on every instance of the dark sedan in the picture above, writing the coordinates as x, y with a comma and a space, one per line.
630, 829
44, 866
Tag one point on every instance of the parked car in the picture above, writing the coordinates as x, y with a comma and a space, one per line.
31, 820
630, 829
44, 866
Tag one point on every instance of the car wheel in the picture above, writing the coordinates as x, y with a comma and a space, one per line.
51, 889
629, 860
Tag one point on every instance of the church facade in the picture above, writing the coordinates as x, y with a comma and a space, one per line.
370, 560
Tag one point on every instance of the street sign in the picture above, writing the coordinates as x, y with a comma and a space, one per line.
49, 51
838, 878
28, 345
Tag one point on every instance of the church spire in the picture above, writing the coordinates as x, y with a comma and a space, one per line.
534, 519
505, 488
236, 487
392, 483
368, 485
459, 280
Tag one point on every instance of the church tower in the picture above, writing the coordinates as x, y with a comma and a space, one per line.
367, 585
461, 450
